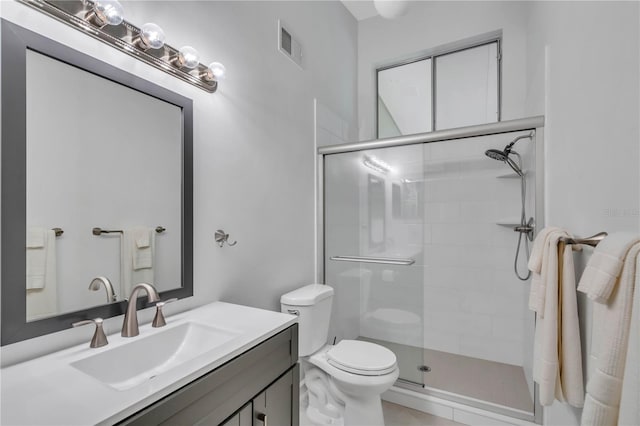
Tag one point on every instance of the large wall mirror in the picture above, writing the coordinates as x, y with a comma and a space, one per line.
96, 182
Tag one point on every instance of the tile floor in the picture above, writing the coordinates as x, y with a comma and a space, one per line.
397, 415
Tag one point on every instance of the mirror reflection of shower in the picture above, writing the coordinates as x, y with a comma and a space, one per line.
526, 226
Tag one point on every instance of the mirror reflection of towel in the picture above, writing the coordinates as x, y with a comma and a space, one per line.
142, 248
36, 258
136, 258
41, 283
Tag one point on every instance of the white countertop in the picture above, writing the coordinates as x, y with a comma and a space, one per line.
49, 391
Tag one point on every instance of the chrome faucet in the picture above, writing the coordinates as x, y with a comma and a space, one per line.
130, 323
95, 286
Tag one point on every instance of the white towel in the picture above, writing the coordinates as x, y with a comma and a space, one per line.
536, 262
557, 366
129, 275
605, 265
143, 248
630, 400
42, 301
35, 237
611, 322
570, 386
36, 258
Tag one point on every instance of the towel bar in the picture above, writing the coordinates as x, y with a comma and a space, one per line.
383, 260
100, 231
589, 241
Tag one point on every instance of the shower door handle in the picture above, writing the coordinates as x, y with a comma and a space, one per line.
382, 260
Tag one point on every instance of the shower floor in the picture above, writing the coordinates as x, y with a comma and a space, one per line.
483, 380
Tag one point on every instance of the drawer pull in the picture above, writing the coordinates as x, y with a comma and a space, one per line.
263, 418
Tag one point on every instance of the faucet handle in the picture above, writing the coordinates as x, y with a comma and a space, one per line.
99, 338
158, 320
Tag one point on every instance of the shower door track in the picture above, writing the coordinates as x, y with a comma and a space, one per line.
530, 123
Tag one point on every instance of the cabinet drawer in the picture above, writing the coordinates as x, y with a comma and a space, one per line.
221, 392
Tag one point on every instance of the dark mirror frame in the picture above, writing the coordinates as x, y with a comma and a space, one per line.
15, 42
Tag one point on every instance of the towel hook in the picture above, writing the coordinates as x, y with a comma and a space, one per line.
222, 237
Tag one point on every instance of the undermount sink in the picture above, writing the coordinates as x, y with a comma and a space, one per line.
143, 358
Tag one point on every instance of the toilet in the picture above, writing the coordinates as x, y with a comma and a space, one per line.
342, 382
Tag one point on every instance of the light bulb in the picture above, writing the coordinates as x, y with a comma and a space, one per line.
188, 57
216, 71
109, 12
152, 36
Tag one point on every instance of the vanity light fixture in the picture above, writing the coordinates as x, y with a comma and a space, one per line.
104, 20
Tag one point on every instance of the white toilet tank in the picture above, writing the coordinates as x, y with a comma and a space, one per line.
312, 304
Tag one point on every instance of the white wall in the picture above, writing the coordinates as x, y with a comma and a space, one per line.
431, 24
253, 139
582, 59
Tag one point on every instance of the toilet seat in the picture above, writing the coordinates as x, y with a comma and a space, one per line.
362, 358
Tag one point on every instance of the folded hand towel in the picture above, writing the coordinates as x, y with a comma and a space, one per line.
604, 267
612, 323
35, 237
136, 263
142, 249
142, 236
42, 301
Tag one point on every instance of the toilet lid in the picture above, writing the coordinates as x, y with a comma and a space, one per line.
364, 358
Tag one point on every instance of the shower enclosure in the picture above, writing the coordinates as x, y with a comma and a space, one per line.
419, 244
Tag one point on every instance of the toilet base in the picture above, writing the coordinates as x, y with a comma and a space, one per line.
364, 413
341, 398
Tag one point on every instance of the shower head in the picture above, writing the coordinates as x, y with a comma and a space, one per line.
504, 156
496, 154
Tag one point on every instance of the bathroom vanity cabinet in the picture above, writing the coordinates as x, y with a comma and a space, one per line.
258, 387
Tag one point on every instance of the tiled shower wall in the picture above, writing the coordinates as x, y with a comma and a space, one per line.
472, 303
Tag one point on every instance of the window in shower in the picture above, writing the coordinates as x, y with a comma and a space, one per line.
441, 91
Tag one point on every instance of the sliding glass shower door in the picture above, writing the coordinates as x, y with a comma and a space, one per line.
373, 250
419, 245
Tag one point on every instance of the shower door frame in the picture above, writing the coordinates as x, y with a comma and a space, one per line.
536, 124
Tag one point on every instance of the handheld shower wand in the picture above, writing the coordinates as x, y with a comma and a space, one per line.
526, 227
